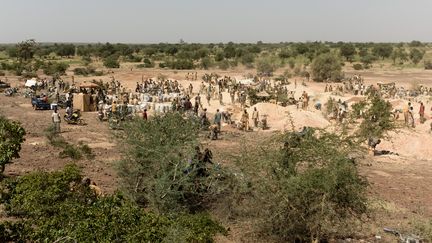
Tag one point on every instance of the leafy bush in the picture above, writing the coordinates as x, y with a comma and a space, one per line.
147, 64
266, 65
57, 206
326, 66
428, 65
87, 71
416, 55
310, 190
224, 64
75, 152
358, 66
51, 68
111, 62
11, 137
161, 166
377, 119
133, 58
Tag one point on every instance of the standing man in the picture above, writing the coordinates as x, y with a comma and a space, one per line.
56, 120
255, 117
422, 113
245, 120
218, 119
406, 113
220, 98
145, 115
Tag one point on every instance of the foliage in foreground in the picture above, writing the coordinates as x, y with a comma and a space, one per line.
56, 206
310, 189
11, 136
163, 169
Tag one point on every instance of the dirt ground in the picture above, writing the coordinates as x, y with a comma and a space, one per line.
399, 184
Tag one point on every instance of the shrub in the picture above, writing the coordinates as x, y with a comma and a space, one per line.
224, 64
377, 119
70, 151
206, 63
87, 71
147, 64
428, 65
11, 137
111, 62
52, 68
310, 190
266, 65
132, 58
56, 206
358, 66
2, 73
326, 67
167, 174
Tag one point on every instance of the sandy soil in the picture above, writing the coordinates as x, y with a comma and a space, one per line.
401, 181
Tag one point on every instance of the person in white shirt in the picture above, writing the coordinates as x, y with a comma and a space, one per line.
56, 121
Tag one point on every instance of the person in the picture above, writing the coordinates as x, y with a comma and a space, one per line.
198, 99
422, 113
245, 120
69, 112
114, 108
255, 117
406, 113
220, 98
218, 119
232, 94
196, 107
208, 98
56, 121
372, 143
411, 116
145, 115
204, 120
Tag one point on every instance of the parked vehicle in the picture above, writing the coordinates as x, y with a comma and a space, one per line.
40, 104
74, 119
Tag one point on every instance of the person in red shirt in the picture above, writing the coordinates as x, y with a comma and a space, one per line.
422, 113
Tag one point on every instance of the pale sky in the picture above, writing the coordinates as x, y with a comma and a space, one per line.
205, 21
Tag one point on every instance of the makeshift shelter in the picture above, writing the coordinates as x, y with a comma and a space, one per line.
86, 85
83, 102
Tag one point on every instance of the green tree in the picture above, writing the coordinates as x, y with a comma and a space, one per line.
26, 50
416, 55
348, 51
367, 60
382, 50
111, 62
326, 66
65, 50
11, 137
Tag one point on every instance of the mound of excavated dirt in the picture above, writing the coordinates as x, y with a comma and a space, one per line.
411, 142
279, 117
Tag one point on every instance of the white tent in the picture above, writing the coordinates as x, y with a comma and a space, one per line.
30, 83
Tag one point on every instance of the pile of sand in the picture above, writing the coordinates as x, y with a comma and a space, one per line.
411, 142
279, 117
